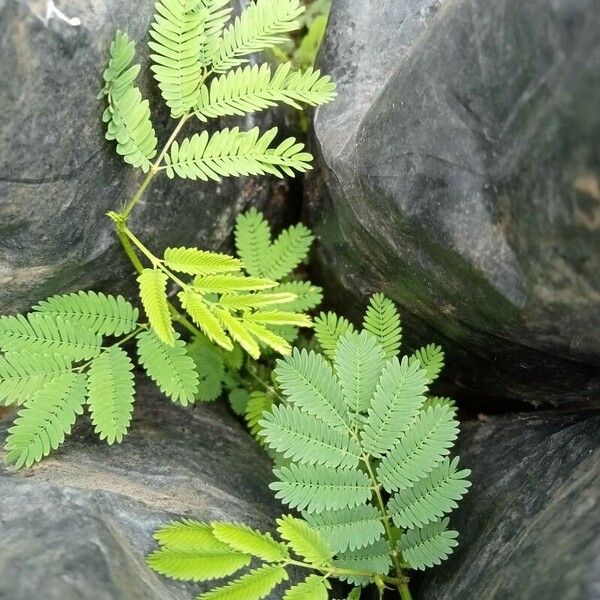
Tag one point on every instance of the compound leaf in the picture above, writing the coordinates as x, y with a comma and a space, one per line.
305, 541
383, 322
329, 328
250, 541
153, 294
200, 262
254, 585
428, 546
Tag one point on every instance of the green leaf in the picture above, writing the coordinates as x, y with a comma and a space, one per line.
42, 425
277, 317
395, 405
312, 588
374, 558
260, 26
429, 545
306, 439
307, 380
239, 333
255, 88
210, 369
106, 315
202, 315
315, 488
267, 337
431, 358
288, 251
111, 394
228, 283
189, 534
255, 585
308, 296
169, 367
257, 300
348, 529
420, 449
197, 564
382, 321
119, 76
238, 400
431, 497
304, 540
24, 373
250, 541
200, 262
41, 334
177, 34
358, 364
215, 17
329, 328
231, 153
252, 241
259, 402
153, 293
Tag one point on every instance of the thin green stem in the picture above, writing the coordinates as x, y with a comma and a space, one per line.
402, 580
333, 570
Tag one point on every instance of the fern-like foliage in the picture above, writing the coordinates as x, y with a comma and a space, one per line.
431, 358
362, 453
127, 116
329, 328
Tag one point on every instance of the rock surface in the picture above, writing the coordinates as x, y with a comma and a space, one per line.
458, 172
58, 176
79, 525
530, 525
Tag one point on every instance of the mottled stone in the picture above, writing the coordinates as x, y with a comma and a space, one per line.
458, 173
59, 176
79, 525
530, 525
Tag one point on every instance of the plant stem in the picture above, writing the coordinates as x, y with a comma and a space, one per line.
332, 570
401, 580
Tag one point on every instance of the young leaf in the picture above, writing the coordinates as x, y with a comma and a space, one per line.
24, 373
169, 367
312, 588
197, 564
383, 322
431, 358
201, 314
329, 328
249, 541
111, 394
42, 425
188, 534
374, 558
277, 317
239, 333
229, 283
231, 153
308, 296
252, 241
255, 585
260, 26
153, 293
259, 403
288, 251
429, 545
267, 337
200, 262
304, 540
106, 315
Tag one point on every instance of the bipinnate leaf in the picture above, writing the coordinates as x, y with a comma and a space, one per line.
382, 321
304, 540
200, 262
111, 394
329, 328
153, 294
312, 588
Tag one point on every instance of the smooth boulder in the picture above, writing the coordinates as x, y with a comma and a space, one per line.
458, 172
78, 525
59, 176
530, 525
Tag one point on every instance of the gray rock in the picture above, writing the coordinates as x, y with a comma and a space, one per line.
530, 525
79, 525
458, 172
58, 176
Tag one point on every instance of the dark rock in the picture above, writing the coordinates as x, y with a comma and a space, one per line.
530, 525
58, 176
458, 172
79, 525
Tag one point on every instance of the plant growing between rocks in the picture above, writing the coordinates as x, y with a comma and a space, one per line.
56, 358
362, 453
